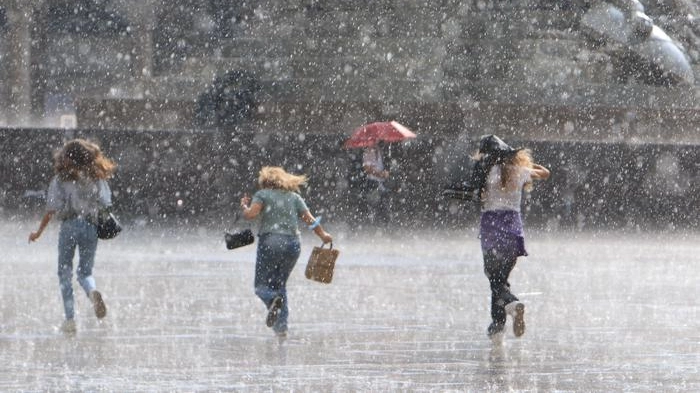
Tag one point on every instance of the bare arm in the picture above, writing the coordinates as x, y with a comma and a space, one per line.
309, 219
44, 222
539, 172
250, 211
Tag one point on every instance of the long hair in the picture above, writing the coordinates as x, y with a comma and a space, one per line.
277, 178
80, 157
523, 158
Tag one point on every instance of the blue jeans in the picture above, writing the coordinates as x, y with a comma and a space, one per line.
74, 233
276, 257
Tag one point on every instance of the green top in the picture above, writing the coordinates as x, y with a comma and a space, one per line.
281, 211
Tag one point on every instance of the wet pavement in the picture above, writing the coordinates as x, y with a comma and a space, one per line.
407, 311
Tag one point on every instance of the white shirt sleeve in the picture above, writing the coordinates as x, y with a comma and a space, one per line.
55, 197
372, 157
104, 193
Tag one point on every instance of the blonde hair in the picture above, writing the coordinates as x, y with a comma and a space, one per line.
277, 178
80, 156
523, 158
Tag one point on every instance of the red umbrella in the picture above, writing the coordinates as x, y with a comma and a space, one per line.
385, 131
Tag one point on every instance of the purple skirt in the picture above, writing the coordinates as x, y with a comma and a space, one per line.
502, 231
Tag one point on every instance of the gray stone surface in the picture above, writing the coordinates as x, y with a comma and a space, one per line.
407, 311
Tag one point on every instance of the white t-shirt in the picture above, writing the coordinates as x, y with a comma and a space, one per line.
496, 197
81, 197
372, 157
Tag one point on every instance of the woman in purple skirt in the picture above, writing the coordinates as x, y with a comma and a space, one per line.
505, 173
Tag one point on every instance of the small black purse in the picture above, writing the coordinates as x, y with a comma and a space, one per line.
108, 227
471, 188
239, 239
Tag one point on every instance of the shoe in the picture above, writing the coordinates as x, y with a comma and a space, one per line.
273, 311
98, 304
281, 334
496, 332
517, 311
68, 326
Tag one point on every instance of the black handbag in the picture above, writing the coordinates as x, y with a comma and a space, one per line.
239, 239
108, 226
459, 190
469, 189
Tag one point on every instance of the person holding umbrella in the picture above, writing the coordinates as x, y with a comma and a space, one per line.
371, 137
502, 174
374, 192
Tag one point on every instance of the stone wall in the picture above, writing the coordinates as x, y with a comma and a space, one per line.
199, 177
623, 151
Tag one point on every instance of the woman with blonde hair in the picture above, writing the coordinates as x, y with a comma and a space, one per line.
76, 193
279, 207
504, 173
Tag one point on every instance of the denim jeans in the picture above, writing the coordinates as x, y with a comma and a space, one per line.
276, 257
74, 233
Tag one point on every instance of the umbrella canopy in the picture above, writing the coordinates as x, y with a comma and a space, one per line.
369, 134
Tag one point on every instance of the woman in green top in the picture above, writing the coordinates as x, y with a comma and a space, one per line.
279, 207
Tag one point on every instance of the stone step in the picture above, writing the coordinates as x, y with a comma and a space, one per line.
271, 116
329, 47
177, 87
570, 87
370, 90
557, 114
292, 77
302, 31
582, 95
134, 114
516, 25
390, 57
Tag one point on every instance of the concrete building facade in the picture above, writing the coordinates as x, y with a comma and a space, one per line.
542, 69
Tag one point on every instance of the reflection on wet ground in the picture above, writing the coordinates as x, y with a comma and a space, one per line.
406, 312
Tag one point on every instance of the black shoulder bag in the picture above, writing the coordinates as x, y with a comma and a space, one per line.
469, 190
108, 227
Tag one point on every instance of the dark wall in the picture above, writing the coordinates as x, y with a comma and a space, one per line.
200, 177
619, 185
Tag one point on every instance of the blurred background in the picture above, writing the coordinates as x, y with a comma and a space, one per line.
191, 97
